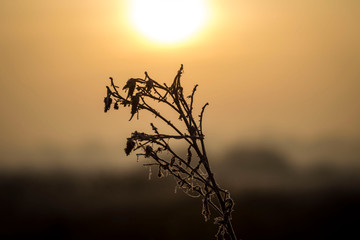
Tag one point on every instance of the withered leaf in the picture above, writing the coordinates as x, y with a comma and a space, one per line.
130, 144
189, 155
134, 105
148, 151
130, 84
107, 101
116, 105
149, 85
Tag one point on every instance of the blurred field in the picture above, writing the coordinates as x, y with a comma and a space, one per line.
273, 201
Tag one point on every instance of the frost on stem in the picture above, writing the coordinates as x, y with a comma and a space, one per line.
150, 172
192, 172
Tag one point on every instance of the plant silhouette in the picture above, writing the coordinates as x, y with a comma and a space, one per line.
192, 172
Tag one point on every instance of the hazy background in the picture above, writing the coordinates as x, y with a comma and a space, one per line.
281, 77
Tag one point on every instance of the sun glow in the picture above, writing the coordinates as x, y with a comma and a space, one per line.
168, 21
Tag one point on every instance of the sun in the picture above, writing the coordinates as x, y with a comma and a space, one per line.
168, 21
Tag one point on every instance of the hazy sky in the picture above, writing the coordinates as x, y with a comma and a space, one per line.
267, 67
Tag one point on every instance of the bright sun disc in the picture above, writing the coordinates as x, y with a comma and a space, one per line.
168, 21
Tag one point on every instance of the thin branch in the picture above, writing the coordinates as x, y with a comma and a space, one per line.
192, 99
201, 117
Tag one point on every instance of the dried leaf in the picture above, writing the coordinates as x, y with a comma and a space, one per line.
149, 85
130, 144
134, 105
148, 151
189, 155
116, 105
130, 84
107, 101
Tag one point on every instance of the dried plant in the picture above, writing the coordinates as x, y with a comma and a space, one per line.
192, 172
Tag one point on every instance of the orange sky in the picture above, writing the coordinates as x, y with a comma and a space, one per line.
268, 68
